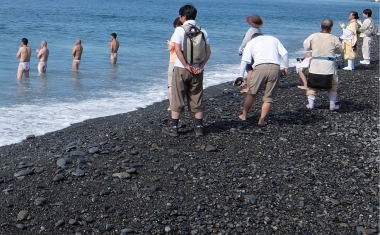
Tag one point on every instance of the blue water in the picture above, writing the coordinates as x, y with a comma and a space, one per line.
43, 104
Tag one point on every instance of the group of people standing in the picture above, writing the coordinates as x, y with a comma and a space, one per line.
261, 61
354, 29
24, 53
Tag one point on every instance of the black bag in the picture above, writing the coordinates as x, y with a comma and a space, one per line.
319, 81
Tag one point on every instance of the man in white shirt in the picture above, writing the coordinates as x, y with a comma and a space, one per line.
187, 78
265, 50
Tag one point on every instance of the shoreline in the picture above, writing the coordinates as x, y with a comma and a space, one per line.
307, 172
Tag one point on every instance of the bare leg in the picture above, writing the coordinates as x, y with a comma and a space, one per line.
40, 68
247, 106
304, 81
113, 59
170, 95
249, 74
75, 65
26, 73
20, 71
175, 115
198, 115
264, 112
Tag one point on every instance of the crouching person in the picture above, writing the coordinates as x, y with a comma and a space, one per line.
323, 70
265, 50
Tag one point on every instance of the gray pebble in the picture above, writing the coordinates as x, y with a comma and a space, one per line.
61, 162
20, 226
22, 215
109, 227
210, 148
59, 223
78, 153
122, 175
58, 177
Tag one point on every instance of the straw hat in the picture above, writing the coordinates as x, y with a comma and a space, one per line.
255, 21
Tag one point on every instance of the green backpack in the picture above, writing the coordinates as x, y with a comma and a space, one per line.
194, 47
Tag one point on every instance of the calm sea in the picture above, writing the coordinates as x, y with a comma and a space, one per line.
43, 104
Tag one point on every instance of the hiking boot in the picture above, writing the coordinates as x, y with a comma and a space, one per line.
198, 131
172, 131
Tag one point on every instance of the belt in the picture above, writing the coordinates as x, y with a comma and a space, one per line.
326, 58
323, 58
267, 64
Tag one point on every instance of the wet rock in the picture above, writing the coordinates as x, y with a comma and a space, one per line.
30, 137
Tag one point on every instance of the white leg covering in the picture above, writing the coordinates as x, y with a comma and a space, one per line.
310, 99
333, 95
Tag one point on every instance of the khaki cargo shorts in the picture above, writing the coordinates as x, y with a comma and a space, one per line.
265, 75
186, 84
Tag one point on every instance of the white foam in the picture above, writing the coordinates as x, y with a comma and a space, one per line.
19, 121
22, 120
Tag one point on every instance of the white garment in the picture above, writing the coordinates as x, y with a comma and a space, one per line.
247, 37
323, 45
304, 64
265, 49
179, 37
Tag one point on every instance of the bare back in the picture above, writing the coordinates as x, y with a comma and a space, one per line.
24, 53
114, 46
77, 52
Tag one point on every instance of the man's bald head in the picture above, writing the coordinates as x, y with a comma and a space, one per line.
44, 43
326, 25
78, 42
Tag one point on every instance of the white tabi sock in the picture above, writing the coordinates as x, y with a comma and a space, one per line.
310, 99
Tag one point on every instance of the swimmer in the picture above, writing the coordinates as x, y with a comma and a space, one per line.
114, 47
42, 55
77, 54
24, 53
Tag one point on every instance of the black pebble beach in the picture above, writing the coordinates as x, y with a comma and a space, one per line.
306, 172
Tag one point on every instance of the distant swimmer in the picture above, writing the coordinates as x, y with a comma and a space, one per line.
77, 54
114, 47
24, 53
42, 55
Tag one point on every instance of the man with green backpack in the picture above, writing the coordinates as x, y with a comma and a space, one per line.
193, 51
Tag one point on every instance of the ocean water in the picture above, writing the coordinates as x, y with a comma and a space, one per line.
43, 104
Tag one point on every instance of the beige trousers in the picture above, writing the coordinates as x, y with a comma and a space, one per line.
366, 48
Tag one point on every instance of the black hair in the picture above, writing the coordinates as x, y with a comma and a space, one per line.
24, 41
114, 35
327, 24
177, 22
355, 14
189, 11
368, 12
